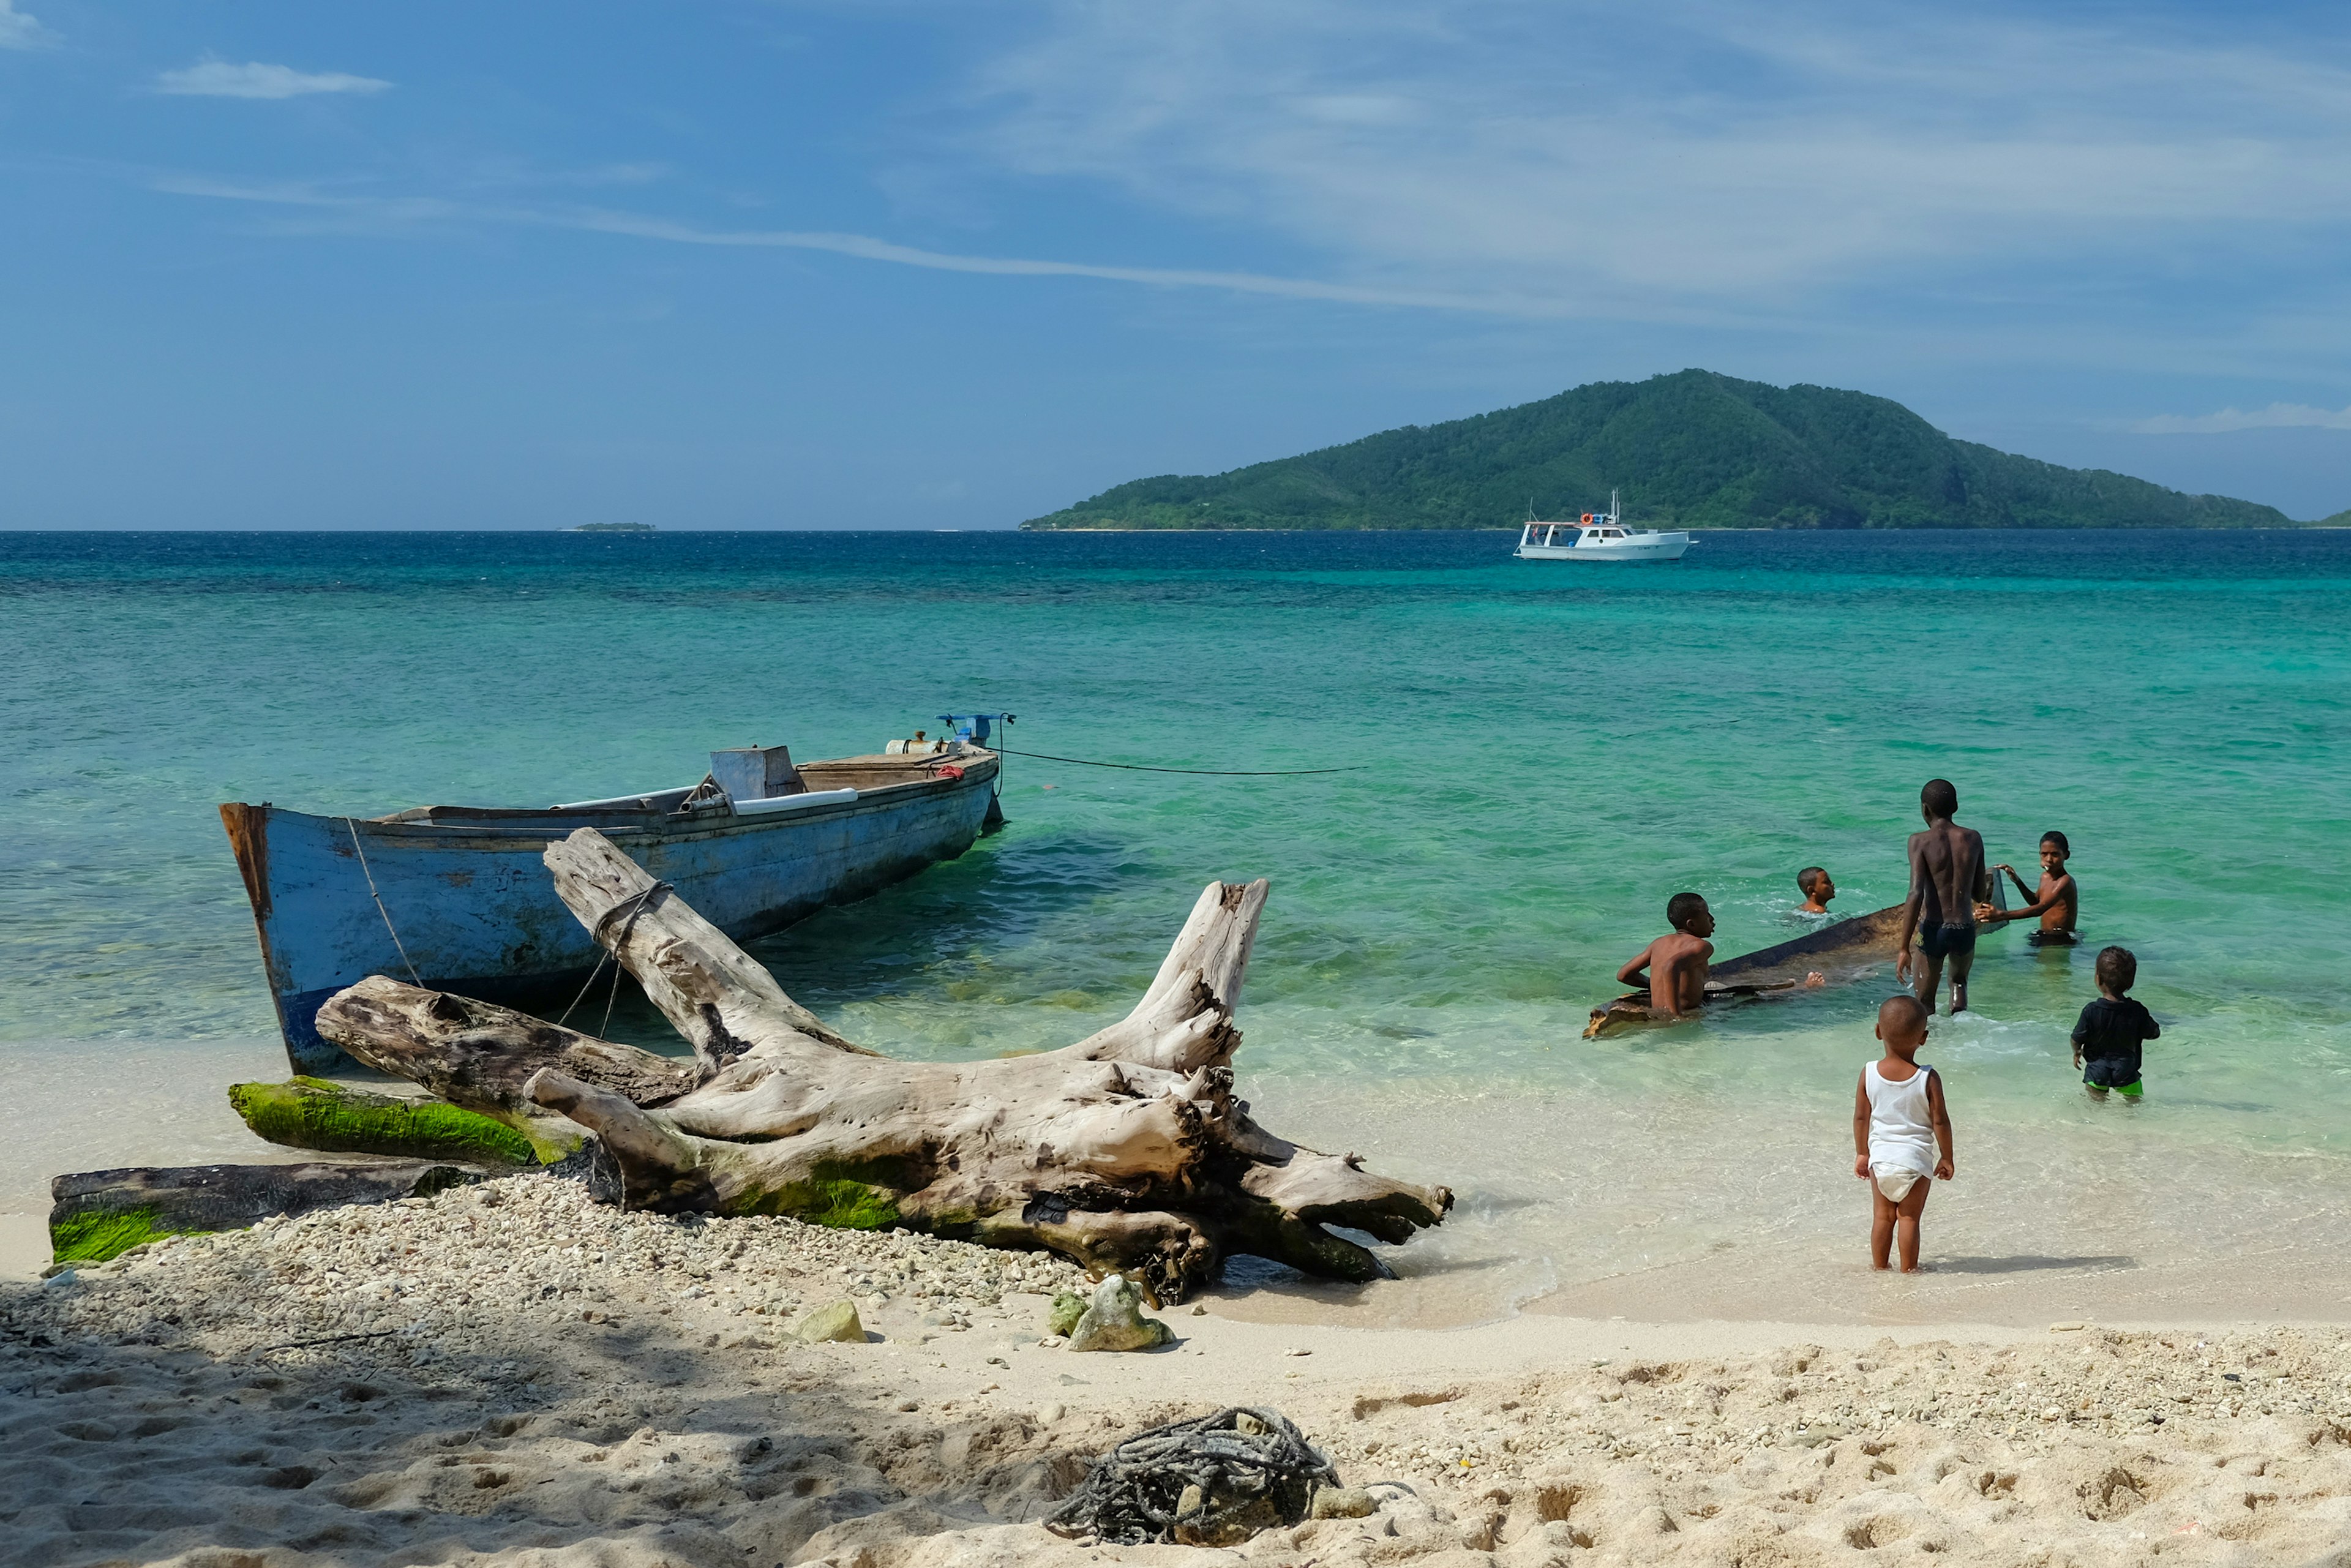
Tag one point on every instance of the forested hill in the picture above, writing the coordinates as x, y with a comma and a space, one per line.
1693, 450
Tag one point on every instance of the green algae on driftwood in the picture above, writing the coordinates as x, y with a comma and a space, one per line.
95, 1237
334, 1118
481, 1057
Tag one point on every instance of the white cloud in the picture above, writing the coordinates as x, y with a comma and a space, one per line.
1691, 161
219, 78
1679, 149
2277, 416
380, 213
19, 31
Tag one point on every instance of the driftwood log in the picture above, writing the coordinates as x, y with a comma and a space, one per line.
99, 1214
1127, 1151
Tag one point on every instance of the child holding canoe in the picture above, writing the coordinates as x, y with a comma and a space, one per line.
2058, 899
1676, 961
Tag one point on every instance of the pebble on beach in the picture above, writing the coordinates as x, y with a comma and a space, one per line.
1113, 1320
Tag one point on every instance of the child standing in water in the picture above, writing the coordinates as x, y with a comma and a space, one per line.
1901, 1131
2107, 1038
1814, 885
2058, 899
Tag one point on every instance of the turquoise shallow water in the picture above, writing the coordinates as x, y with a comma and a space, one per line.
1546, 752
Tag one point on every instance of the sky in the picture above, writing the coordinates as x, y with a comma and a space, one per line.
746, 264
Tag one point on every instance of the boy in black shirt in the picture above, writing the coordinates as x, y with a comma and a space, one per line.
2108, 1037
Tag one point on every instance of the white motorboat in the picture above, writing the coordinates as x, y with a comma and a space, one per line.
1598, 536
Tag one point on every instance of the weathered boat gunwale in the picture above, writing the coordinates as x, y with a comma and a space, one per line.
560, 820
508, 831
1861, 940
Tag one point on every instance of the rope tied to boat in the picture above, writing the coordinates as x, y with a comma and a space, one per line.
635, 903
353, 828
1200, 772
1242, 1470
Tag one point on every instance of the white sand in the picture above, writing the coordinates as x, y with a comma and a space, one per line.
533, 1402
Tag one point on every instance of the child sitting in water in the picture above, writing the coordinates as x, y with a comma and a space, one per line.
1676, 961
1901, 1131
1814, 885
2108, 1037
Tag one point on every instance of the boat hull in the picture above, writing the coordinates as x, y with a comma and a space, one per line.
1845, 951
1666, 547
462, 901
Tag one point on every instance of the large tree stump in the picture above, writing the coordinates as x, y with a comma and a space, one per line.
1126, 1151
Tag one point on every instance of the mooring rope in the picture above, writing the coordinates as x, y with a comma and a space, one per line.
1241, 1460
636, 905
1203, 772
380, 909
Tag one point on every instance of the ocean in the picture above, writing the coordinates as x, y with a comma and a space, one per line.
1539, 756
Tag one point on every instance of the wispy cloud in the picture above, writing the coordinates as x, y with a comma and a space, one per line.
220, 78
382, 211
1688, 162
20, 31
1689, 147
2277, 416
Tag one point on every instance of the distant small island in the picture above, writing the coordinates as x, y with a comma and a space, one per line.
612, 529
1691, 450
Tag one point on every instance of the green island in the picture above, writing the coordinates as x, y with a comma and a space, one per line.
1693, 449
611, 528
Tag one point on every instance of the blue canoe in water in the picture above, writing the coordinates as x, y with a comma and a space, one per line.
458, 898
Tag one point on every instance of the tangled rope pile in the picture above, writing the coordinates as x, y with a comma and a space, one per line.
1252, 1468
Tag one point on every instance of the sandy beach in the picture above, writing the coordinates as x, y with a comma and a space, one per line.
511, 1373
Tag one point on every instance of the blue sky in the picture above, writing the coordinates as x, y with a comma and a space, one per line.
758, 264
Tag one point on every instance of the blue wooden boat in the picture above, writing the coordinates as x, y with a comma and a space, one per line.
457, 898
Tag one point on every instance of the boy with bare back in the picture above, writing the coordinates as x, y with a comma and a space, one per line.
1901, 1131
1947, 880
1676, 961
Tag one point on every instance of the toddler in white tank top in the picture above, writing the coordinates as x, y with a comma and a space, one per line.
1901, 1131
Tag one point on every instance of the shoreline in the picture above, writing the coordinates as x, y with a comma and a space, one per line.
538, 1379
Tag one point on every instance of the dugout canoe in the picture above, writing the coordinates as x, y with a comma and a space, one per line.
459, 898
1841, 953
